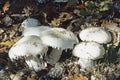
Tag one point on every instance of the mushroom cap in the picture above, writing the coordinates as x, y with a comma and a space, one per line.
35, 30
89, 50
30, 22
96, 34
26, 46
59, 38
35, 63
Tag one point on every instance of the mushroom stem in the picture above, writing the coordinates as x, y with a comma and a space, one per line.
35, 63
87, 64
54, 56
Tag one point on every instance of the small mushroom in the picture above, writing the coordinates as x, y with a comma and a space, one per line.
87, 53
30, 22
35, 30
26, 47
59, 39
96, 34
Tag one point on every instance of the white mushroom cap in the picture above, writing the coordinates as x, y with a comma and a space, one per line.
59, 38
35, 63
30, 22
89, 50
96, 34
35, 30
26, 46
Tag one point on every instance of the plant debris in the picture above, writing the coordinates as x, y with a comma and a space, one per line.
72, 15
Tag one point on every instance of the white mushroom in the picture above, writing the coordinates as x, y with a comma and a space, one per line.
96, 34
26, 46
35, 30
87, 52
30, 22
29, 48
59, 39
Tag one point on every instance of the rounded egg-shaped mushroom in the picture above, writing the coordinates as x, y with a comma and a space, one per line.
59, 38
26, 46
96, 34
89, 50
30, 22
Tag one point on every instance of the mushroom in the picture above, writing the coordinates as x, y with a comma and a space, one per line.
96, 34
28, 46
35, 30
30, 22
59, 39
87, 53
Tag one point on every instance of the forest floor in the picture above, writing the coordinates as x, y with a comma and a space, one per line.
73, 15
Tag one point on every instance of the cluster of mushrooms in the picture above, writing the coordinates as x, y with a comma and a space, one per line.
36, 40
91, 48
33, 46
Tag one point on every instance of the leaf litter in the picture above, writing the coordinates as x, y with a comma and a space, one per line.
72, 15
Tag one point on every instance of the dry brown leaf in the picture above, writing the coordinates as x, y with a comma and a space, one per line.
15, 77
65, 16
80, 77
10, 43
7, 43
93, 21
55, 22
3, 49
31, 78
1, 22
1, 31
108, 23
81, 6
6, 6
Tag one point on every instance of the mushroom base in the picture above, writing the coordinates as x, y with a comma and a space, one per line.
87, 64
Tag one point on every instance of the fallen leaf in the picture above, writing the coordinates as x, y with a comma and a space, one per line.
10, 43
108, 24
79, 77
15, 77
81, 6
7, 43
6, 6
3, 49
1, 22
64, 16
31, 78
55, 22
